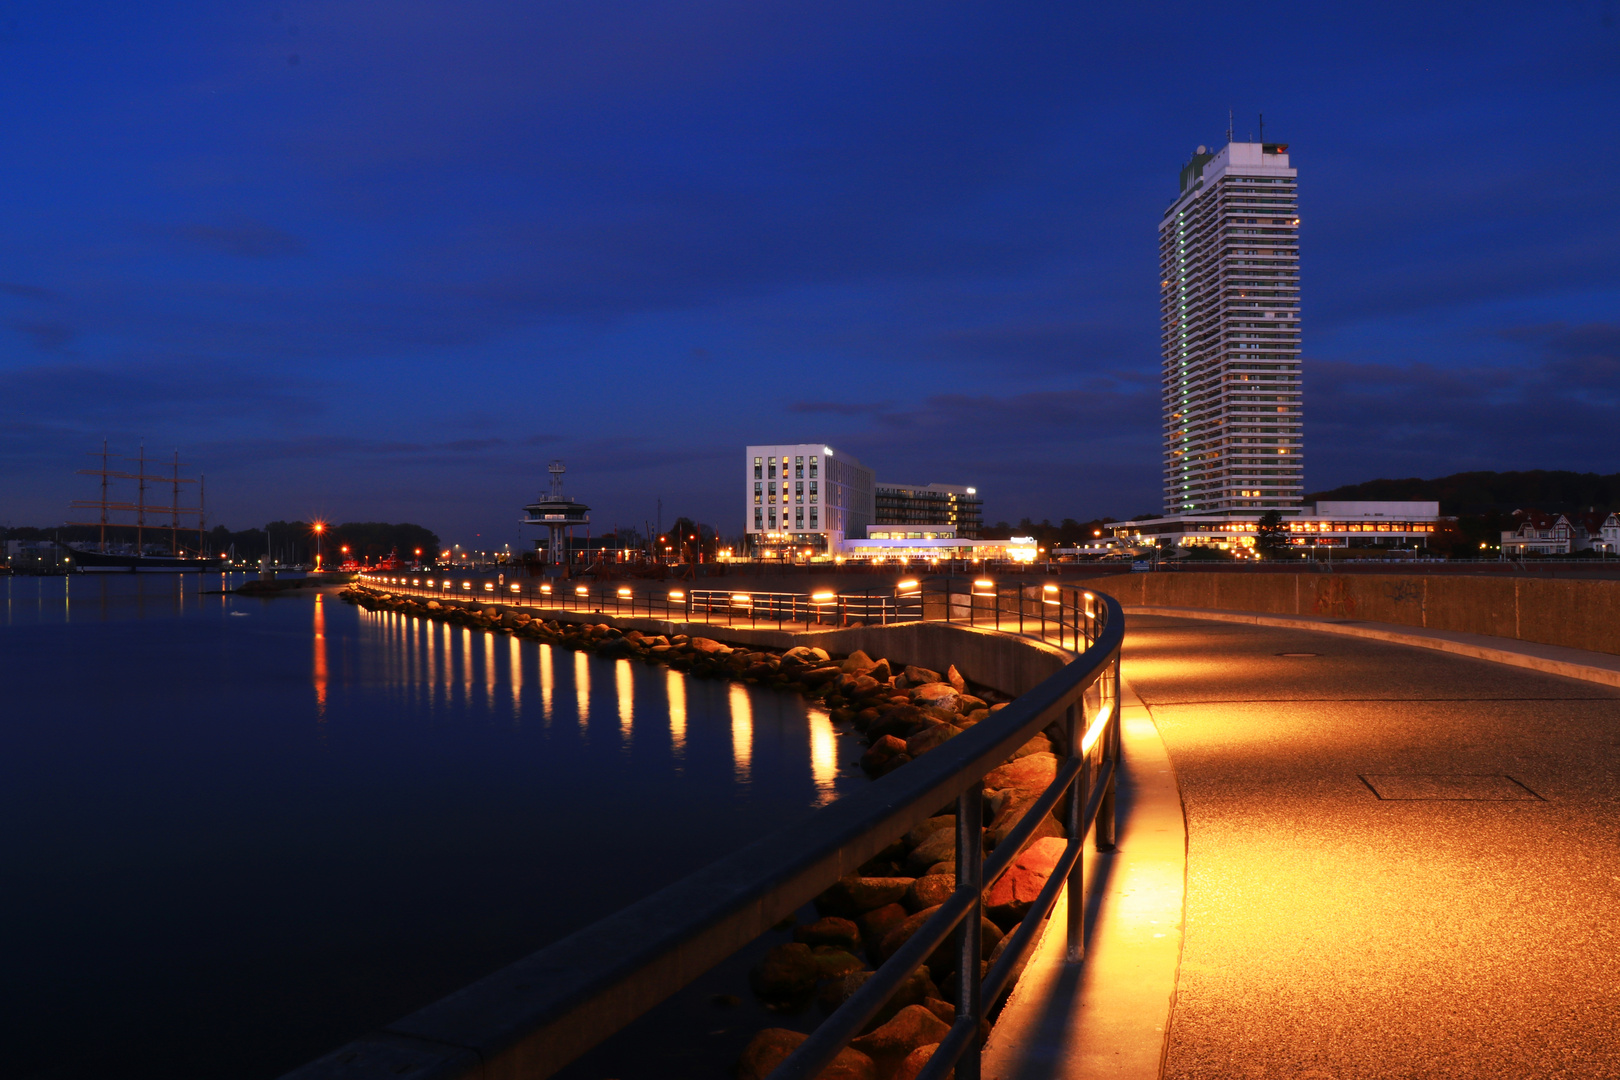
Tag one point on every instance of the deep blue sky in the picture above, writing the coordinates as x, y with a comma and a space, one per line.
383, 260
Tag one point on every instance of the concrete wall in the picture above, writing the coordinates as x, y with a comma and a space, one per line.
1576, 614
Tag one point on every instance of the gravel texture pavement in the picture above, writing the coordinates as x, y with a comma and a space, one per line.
1461, 928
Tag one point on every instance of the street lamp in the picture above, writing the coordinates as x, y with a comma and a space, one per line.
320, 528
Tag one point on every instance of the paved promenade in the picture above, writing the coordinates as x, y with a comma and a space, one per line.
1464, 924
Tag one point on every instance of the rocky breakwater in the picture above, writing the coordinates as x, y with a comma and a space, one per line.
900, 712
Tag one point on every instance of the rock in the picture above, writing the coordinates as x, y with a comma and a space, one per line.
1040, 744
1008, 900
937, 848
864, 685
954, 677
788, 971
818, 676
918, 988
912, 1066
943, 958
876, 924
881, 671
928, 828
893, 763
855, 895
937, 695
857, 663
881, 753
1032, 773
708, 646
921, 743
834, 963
946, 867
830, 930
911, 1027
968, 703
916, 676
929, 891
1012, 806
434, 605
942, 1009
772, 1046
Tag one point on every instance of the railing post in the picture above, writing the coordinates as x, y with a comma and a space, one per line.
1074, 817
1111, 741
969, 947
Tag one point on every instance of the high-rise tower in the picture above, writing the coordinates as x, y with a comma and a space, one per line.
1229, 281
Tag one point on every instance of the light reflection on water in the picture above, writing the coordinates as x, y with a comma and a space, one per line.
262, 816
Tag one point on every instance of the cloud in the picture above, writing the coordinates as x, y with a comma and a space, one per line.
26, 292
48, 335
248, 240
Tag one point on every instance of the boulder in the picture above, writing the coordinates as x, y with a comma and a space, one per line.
912, 1066
928, 828
911, 1027
892, 764
709, 647
1008, 900
863, 686
936, 695
772, 1046
954, 677
881, 671
788, 971
881, 753
943, 958
856, 895
876, 924
1032, 773
937, 848
918, 988
968, 703
929, 891
1040, 744
925, 741
916, 676
830, 930
834, 963
818, 676
857, 663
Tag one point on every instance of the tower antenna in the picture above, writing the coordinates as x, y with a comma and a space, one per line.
1228, 125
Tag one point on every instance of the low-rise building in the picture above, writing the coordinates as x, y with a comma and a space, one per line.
920, 506
1326, 524
803, 500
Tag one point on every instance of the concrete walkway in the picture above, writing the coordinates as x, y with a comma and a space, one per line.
1401, 863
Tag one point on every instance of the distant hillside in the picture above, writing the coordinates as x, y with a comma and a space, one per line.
1483, 492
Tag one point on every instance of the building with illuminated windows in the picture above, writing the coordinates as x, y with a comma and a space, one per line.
804, 500
1229, 323
907, 508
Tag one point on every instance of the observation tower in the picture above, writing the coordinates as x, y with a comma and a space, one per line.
557, 513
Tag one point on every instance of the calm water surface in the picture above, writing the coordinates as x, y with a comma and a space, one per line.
235, 833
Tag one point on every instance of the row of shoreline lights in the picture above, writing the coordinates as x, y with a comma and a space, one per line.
910, 585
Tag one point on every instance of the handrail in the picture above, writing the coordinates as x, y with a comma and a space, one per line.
534, 1016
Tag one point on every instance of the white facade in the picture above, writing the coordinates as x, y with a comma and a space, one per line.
1229, 312
1323, 524
805, 497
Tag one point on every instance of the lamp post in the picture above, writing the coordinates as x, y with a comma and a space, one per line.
320, 528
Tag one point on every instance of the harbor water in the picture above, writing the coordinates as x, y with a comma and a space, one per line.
237, 832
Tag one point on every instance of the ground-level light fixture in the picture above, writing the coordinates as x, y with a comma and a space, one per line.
579, 590
624, 592
823, 597
676, 594
545, 589
516, 587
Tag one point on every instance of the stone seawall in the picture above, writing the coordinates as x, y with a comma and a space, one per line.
1573, 614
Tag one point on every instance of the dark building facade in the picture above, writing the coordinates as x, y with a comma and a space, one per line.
922, 505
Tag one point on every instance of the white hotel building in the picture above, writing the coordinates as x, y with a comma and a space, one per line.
805, 499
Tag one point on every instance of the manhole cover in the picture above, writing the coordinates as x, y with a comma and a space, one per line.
1298, 654
1443, 787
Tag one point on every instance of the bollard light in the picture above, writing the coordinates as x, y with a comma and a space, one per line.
823, 597
516, 588
741, 600
546, 589
676, 595
909, 583
580, 590
624, 592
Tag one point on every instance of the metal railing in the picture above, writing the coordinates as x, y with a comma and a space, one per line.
1049, 611
533, 1017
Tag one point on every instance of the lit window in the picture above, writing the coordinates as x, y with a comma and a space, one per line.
812, 466
772, 468
758, 469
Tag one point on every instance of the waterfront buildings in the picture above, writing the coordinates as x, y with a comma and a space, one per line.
803, 500
1323, 524
1229, 318
920, 508
1539, 533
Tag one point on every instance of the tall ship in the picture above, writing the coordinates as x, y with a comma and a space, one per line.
134, 546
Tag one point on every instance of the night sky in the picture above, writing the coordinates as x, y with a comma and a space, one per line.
385, 260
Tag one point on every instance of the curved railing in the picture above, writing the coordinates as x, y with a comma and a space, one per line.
533, 1017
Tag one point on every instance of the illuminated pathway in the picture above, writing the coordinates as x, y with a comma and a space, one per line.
1458, 927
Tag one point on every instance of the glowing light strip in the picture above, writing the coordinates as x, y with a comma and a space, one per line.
1094, 732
